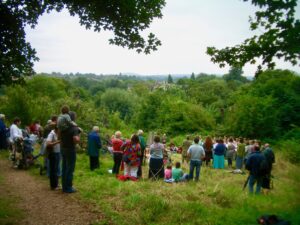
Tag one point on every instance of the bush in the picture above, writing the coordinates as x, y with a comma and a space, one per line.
293, 134
291, 150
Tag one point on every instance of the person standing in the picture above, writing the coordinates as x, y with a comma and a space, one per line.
230, 153
185, 146
219, 152
94, 145
143, 147
240, 154
270, 158
53, 148
15, 131
156, 164
117, 142
131, 156
16, 139
253, 164
196, 154
3, 133
208, 148
69, 138
51, 124
36, 128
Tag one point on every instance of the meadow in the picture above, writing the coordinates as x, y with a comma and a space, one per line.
217, 199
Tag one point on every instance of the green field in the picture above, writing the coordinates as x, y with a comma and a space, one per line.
217, 199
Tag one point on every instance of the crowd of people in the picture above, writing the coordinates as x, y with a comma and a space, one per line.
61, 135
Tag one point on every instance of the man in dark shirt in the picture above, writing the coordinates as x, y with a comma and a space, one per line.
69, 138
143, 147
270, 158
253, 164
3, 133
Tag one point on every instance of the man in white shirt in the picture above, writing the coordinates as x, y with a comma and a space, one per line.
15, 131
16, 138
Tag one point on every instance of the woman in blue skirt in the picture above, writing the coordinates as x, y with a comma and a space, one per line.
219, 153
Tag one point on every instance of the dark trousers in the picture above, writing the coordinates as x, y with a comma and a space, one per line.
3, 141
195, 164
117, 163
94, 162
53, 168
139, 172
68, 167
229, 160
156, 168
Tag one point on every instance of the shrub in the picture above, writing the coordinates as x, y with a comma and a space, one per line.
291, 150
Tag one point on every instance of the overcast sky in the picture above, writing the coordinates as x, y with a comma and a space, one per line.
186, 29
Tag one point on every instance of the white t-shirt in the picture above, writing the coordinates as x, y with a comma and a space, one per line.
15, 132
51, 138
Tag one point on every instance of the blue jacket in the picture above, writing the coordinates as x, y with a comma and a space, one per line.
220, 149
253, 162
3, 135
94, 144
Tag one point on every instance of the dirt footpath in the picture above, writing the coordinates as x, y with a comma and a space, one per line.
42, 206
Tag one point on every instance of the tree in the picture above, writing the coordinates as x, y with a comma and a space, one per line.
119, 100
170, 79
235, 73
193, 76
280, 37
127, 19
253, 117
267, 107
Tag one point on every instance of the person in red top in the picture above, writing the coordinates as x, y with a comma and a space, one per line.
132, 151
35, 128
117, 152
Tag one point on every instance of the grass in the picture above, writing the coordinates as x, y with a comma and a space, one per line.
217, 199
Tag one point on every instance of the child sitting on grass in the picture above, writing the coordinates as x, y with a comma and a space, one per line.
177, 173
168, 172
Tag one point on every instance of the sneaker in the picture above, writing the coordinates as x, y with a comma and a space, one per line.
72, 190
55, 189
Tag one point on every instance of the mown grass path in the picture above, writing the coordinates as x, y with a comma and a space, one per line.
36, 204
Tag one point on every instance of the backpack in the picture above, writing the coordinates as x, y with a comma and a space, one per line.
269, 154
263, 168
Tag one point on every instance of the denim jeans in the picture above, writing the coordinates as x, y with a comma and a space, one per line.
239, 162
195, 164
252, 180
68, 167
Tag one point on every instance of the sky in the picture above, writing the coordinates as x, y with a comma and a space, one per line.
186, 30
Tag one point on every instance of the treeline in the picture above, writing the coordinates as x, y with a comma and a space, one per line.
267, 107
